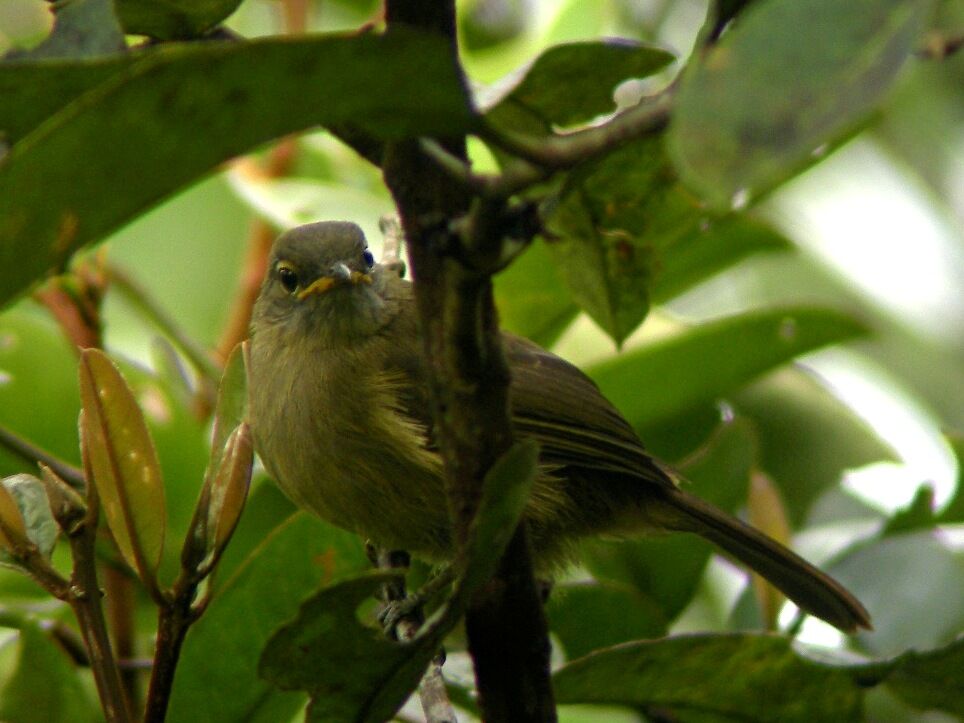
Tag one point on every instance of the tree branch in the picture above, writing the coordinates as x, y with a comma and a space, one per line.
558, 152
470, 377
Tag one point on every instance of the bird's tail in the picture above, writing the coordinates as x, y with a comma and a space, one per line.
811, 589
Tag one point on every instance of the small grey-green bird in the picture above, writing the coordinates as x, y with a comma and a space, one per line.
342, 421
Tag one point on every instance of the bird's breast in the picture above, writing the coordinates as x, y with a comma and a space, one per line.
331, 432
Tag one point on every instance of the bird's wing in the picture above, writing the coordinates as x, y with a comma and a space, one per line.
552, 402
563, 409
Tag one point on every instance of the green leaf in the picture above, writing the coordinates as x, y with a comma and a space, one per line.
219, 507
581, 616
714, 678
21, 111
624, 231
38, 393
231, 407
263, 593
353, 672
789, 78
505, 492
903, 615
916, 515
707, 249
954, 510
708, 361
81, 28
574, 82
30, 497
173, 19
121, 456
531, 299
794, 412
76, 179
668, 569
43, 686
931, 680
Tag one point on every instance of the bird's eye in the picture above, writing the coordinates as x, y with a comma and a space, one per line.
288, 278
369, 258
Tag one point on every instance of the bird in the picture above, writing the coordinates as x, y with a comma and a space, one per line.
341, 417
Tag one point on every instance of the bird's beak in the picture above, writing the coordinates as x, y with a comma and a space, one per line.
340, 275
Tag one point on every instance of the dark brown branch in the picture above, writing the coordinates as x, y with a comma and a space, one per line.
33, 454
173, 620
85, 599
470, 377
559, 152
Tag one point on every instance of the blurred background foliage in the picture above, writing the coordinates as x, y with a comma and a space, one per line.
854, 452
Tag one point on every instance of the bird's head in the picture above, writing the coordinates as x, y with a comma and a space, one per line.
323, 281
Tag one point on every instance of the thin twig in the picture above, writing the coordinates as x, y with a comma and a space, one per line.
516, 176
564, 151
85, 599
173, 620
33, 454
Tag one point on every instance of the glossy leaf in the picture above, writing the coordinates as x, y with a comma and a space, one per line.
124, 464
714, 677
222, 500
54, 181
591, 615
173, 19
574, 82
264, 592
44, 685
789, 78
13, 529
231, 407
354, 672
715, 358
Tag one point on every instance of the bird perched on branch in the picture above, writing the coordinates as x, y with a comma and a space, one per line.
342, 421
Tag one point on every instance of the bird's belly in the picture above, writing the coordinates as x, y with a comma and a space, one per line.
381, 484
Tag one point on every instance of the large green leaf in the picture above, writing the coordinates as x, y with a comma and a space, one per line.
789, 78
581, 616
808, 438
531, 299
38, 396
173, 19
714, 678
44, 685
708, 361
755, 678
624, 231
895, 577
121, 457
217, 675
180, 110
573, 83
